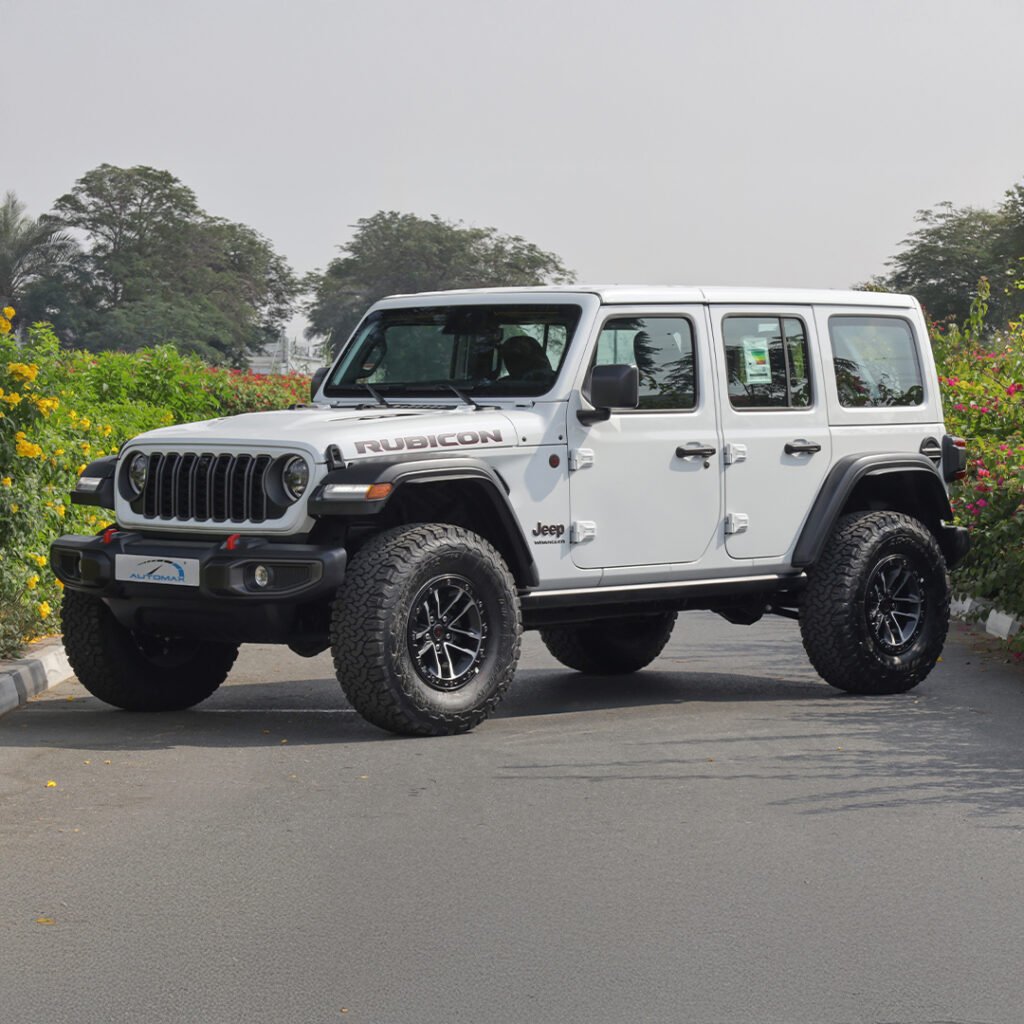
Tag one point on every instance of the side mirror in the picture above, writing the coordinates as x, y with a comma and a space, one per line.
615, 386
318, 379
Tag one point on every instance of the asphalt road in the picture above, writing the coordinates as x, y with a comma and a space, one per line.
721, 838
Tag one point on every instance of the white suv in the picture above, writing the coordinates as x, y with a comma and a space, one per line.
582, 461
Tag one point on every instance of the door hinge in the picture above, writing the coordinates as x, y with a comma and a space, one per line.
735, 453
581, 458
582, 530
737, 522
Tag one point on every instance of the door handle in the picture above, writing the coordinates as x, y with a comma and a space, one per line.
802, 447
701, 452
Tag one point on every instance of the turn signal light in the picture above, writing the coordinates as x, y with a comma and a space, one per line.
378, 491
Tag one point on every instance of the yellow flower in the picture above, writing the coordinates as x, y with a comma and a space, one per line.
28, 450
72, 415
12, 398
31, 582
60, 585
58, 451
40, 560
84, 423
23, 371
61, 511
107, 431
44, 610
86, 447
8, 312
80, 470
6, 481
5, 325
46, 405
15, 508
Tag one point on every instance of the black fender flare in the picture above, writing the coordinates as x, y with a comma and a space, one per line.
840, 483
103, 470
404, 471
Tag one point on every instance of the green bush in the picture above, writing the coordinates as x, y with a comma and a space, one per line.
984, 402
58, 411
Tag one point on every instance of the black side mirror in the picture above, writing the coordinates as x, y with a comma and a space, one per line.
318, 379
611, 387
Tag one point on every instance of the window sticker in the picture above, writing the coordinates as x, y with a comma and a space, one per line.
755, 360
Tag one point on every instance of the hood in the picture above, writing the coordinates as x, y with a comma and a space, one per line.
359, 433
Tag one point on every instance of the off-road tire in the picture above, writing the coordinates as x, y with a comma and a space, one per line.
374, 619
610, 647
852, 642
136, 672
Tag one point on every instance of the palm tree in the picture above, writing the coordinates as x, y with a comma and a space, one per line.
29, 249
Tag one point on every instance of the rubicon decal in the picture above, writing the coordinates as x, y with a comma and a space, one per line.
417, 442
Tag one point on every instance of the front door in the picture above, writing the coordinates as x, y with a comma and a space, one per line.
646, 487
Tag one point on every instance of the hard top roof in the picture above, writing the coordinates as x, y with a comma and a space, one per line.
630, 294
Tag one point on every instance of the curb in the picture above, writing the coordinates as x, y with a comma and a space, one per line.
21, 679
975, 610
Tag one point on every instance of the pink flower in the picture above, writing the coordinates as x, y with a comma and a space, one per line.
960, 407
982, 503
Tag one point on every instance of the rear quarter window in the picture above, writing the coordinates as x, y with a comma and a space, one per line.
876, 362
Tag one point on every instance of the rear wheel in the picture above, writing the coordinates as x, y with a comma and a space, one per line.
610, 647
425, 630
135, 671
875, 612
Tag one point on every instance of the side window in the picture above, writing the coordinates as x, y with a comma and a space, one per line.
661, 348
766, 361
875, 361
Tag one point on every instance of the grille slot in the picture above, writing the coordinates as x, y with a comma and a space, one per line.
205, 487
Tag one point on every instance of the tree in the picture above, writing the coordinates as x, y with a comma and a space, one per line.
394, 252
31, 251
954, 247
160, 269
943, 259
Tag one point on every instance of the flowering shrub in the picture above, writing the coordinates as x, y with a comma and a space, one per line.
984, 402
58, 411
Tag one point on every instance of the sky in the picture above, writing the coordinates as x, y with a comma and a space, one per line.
779, 142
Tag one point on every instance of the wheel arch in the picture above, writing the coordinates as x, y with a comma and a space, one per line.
460, 491
876, 482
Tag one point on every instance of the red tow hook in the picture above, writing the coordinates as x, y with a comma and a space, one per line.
108, 534
232, 542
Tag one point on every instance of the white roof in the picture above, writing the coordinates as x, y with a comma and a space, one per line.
630, 294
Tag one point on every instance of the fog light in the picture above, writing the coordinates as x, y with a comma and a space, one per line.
261, 576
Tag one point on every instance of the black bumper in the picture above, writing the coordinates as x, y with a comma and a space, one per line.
224, 602
955, 542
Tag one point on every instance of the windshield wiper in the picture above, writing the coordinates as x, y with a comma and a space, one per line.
466, 398
381, 400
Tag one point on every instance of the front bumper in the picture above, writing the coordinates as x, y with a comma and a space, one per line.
218, 596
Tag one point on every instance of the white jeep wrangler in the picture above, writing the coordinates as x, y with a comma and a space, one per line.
582, 461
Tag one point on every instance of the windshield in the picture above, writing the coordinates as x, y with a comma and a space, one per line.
500, 350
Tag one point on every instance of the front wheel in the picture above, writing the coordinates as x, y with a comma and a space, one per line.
135, 671
425, 630
875, 612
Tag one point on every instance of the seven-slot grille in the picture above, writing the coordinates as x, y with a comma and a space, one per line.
221, 488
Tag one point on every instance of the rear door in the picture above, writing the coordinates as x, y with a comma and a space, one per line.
777, 445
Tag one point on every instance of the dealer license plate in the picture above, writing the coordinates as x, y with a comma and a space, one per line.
174, 572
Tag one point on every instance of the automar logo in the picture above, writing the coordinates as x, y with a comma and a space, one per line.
161, 570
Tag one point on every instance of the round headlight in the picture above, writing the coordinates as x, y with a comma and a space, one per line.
295, 477
138, 470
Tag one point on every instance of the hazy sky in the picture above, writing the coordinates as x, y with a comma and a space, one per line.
662, 141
